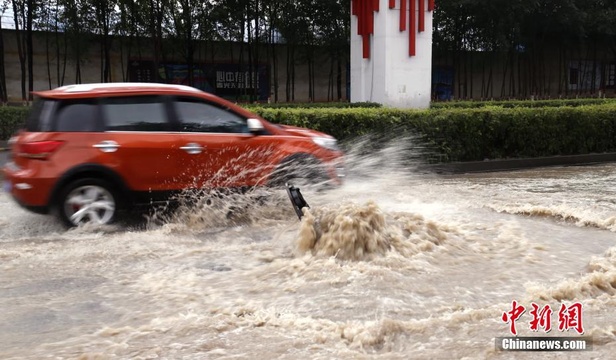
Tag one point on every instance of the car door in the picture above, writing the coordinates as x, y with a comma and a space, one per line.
219, 150
142, 143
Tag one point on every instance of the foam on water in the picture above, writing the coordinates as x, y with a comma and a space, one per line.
597, 281
563, 212
361, 232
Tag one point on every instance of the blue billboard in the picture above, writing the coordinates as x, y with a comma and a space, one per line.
227, 80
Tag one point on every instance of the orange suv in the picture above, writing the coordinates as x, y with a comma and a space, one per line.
90, 150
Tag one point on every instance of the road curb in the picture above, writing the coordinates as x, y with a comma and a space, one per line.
494, 165
518, 164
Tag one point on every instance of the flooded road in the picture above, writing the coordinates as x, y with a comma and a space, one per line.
393, 265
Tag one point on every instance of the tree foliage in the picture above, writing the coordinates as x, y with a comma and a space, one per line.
516, 38
515, 31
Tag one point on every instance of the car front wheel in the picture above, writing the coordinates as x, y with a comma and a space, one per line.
87, 201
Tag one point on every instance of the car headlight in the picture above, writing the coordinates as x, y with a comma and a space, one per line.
326, 142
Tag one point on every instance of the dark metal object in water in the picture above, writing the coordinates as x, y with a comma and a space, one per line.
297, 200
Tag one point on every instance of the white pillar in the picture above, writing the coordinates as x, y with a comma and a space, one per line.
391, 76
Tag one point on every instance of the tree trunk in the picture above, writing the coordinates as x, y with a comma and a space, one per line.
106, 44
102, 58
471, 95
593, 84
293, 73
78, 66
30, 50
339, 77
20, 47
249, 91
57, 37
155, 40
512, 73
330, 78
275, 70
48, 57
288, 85
483, 77
64, 60
505, 70
310, 92
256, 57
3, 90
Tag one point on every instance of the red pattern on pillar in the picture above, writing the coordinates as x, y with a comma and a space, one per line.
421, 24
403, 15
416, 23
364, 10
412, 28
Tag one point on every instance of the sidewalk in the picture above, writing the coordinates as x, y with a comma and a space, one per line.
475, 166
519, 164
4, 156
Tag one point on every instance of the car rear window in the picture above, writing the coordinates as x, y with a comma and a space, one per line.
77, 115
135, 113
39, 118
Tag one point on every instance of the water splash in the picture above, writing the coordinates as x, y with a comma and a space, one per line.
361, 232
394, 264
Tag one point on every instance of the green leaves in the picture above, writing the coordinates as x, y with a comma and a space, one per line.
12, 118
523, 103
471, 134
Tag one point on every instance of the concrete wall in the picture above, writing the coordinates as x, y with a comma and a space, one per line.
207, 52
547, 74
471, 71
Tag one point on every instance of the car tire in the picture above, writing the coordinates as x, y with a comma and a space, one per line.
85, 201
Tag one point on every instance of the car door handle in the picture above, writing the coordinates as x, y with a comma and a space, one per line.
192, 148
107, 146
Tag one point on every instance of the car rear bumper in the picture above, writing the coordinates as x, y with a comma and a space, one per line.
29, 192
32, 208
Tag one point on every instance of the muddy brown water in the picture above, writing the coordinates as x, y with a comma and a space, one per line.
393, 265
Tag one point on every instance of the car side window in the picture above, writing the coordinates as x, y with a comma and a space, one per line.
136, 113
39, 118
77, 116
196, 115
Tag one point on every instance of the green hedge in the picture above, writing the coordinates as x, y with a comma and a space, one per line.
11, 119
522, 103
472, 134
313, 105
488, 132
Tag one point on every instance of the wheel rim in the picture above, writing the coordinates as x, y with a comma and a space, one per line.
89, 203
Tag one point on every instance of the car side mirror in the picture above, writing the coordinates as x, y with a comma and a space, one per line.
255, 125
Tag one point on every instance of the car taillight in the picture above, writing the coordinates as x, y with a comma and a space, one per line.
38, 149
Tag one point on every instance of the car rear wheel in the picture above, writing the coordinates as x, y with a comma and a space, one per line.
87, 201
